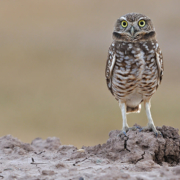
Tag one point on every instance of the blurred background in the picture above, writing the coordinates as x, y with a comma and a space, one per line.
52, 66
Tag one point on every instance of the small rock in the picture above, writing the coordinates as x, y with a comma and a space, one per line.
48, 172
80, 150
60, 165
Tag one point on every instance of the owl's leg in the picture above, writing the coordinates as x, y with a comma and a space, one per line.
125, 126
150, 125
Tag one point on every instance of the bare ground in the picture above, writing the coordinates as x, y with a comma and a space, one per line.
138, 156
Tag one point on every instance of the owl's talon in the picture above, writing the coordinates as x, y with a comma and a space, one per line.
134, 128
121, 133
158, 133
153, 128
161, 135
126, 129
137, 127
124, 133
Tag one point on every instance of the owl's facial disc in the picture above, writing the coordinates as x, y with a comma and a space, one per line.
132, 31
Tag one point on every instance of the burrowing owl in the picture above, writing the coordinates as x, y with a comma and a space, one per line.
134, 66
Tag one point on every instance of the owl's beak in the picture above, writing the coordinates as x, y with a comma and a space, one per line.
132, 31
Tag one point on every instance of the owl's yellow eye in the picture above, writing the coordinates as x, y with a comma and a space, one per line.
124, 24
142, 23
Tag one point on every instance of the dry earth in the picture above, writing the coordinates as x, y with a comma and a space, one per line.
138, 156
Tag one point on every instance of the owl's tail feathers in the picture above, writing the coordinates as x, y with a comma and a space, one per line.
136, 109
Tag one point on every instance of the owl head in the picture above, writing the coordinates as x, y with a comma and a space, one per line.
133, 27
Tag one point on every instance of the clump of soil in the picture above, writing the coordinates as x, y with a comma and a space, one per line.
139, 155
138, 146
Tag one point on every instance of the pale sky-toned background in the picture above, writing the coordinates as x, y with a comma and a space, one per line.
52, 63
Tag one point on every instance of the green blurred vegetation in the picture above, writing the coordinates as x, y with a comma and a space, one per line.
52, 63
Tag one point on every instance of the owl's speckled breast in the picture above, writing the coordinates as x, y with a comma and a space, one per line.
135, 71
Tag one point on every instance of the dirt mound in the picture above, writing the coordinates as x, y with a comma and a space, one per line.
139, 155
138, 146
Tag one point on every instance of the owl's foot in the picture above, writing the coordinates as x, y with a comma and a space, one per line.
125, 129
151, 127
134, 128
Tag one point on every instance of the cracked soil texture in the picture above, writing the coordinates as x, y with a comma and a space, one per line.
138, 156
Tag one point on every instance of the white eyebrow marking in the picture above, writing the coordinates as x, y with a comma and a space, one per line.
145, 18
142, 18
123, 18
